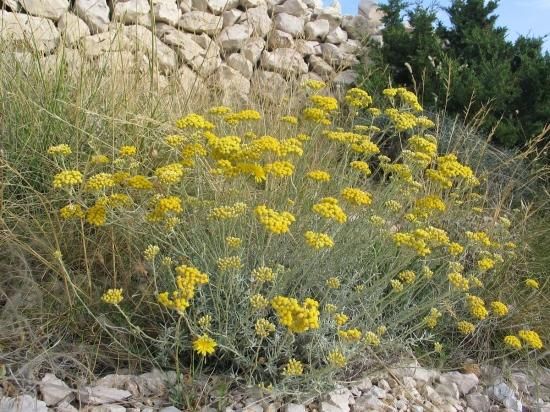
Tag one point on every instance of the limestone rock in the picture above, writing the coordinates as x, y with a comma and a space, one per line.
142, 39
98, 395
448, 390
270, 85
279, 39
337, 36
116, 62
231, 17
334, 19
231, 81
294, 407
357, 27
53, 389
206, 42
350, 46
240, 63
189, 82
219, 6
50, 9
72, 28
316, 30
252, 3
166, 11
201, 22
334, 56
465, 382
186, 6
368, 403
14, 5
107, 408
478, 401
340, 398
369, 9
319, 66
289, 24
286, 61
95, 13
132, 11
28, 31
232, 38
108, 41
24, 403
252, 49
258, 20
293, 7
307, 48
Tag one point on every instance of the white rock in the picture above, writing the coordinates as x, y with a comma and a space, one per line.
219, 6
465, 382
72, 28
432, 395
28, 31
240, 63
201, 22
166, 11
272, 86
377, 391
319, 66
95, 13
252, 3
383, 384
294, 407
189, 82
170, 409
50, 9
449, 390
417, 408
110, 41
107, 408
504, 394
252, 49
307, 48
330, 407
258, 19
478, 401
65, 407
334, 56
294, 7
364, 384
334, 19
186, 6
98, 395
316, 30
232, 38
142, 39
368, 403
358, 27
199, 5
372, 13
53, 389
337, 36
289, 24
206, 42
14, 5
132, 11
231, 17
350, 46
340, 398
24, 403
279, 39
365, 6
287, 61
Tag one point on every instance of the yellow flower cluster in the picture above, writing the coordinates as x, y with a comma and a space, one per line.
232, 241
100, 181
297, 318
263, 274
426, 205
164, 207
531, 338
499, 308
358, 98
293, 368
71, 211
532, 283
372, 339
512, 341
407, 97
450, 168
459, 281
340, 318
319, 175
227, 212
219, 110
396, 285
328, 207
477, 307
361, 166
485, 264
229, 263
351, 335
169, 174
258, 301
365, 146
316, 115
139, 182
99, 159
402, 121
407, 277
333, 282
289, 119
151, 252
127, 151
336, 358
356, 196
314, 84
465, 327
432, 319
194, 121
412, 241
67, 178
96, 215
273, 221
280, 168
318, 240
188, 277
60, 149
264, 328
205, 321
243, 115
112, 296
325, 103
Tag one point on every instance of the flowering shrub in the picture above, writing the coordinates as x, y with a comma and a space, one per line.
295, 247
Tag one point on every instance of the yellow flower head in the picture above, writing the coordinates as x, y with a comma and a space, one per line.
71, 211
531, 338
314, 84
127, 151
465, 327
273, 221
356, 196
318, 240
513, 342
170, 174
264, 328
328, 207
112, 296
205, 321
319, 175
194, 121
67, 178
336, 358
340, 318
297, 318
204, 345
100, 181
325, 103
60, 149
372, 339
293, 368
258, 301
233, 242
358, 98
333, 282
499, 308
532, 283
351, 335
263, 274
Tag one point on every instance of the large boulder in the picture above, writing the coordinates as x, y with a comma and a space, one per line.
307, 47
219, 6
50, 9
317, 30
189, 83
28, 32
95, 13
240, 63
252, 3
270, 85
145, 42
186, 6
279, 39
132, 12
109, 41
294, 7
285, 61
336, 57
166, 11
231, 17
252, 49
72, 28
357, 27
346, 78
201, 22
337, 36
258, 19
289, 24
231, 80
320, 67
232, 38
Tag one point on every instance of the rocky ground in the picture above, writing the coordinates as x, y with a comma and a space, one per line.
407, 388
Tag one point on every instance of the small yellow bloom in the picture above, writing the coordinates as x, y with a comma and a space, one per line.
499, 308
531, 338
293, 368
264, 328
318, 240
336, 358
340, 318
67, 178
112, 296
259, 301
319, 175
233, 242
532, 283
127, 151
438, 347
204, 345
61, 149
465, 327
151, 252
205, 321
333, 282
513, 342
372, 339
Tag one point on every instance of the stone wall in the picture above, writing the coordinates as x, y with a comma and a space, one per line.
233, 42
